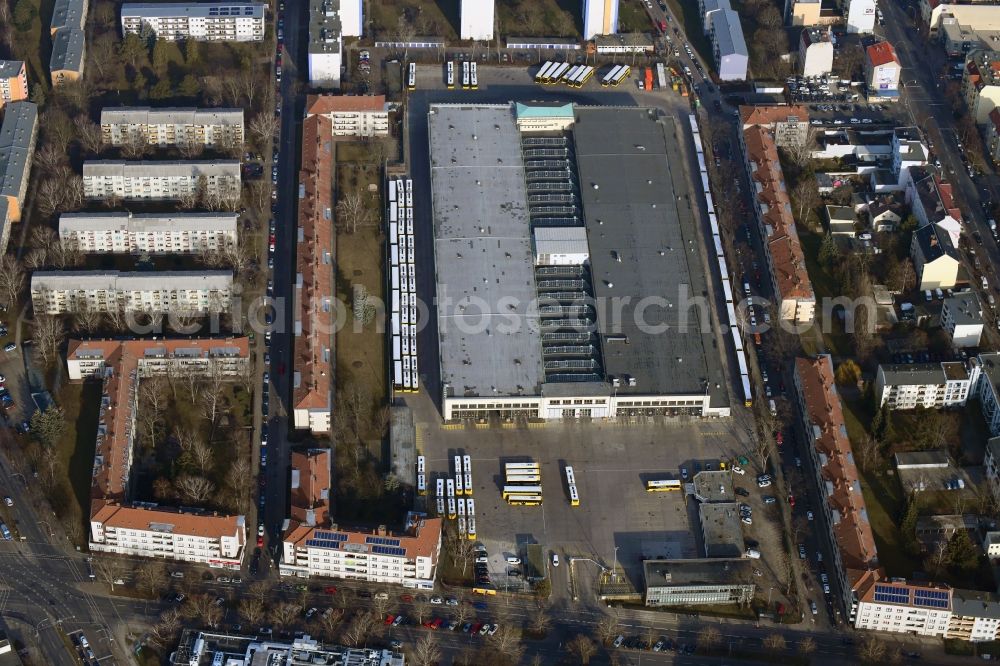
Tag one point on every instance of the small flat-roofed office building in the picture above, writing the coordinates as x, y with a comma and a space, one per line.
617, 239
699, 582
721, 531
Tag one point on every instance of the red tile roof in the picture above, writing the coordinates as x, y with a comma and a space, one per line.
209, 525
421, 540
322, 104
864, 588
768, 115
881, 53
310, 501
314, 257
819, 399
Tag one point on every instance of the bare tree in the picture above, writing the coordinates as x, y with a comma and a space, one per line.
352, 211
203, 608
152, 575
110, 569
507, 642
608, 628
134, 145
251, 610
331, 621
426, 651
86, 321
871, 650
233, 89
420, 610
360, 629
380, 604
195, 489
248, 84
263, 126
775, 643
11, 278
582, 648
103, 55
88, 133
807, 646
539, 621
203, 455
49, 332
49, 158
284, 614
163, 633
709, 638
259, 590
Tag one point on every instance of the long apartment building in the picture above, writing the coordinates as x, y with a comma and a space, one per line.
179, 292
69, 41
202, 21
148, 233
147, 530
172, 126
900, 606
13, 81
312, 389
928, 385
351, 115
17, 148
987, 389
728, 45
313, 546
106, 179
326, 32
842, 509
773, 212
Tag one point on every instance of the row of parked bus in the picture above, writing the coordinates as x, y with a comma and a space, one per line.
403, 285
522, 484
720, 256
574, 76
449, 498
470, 74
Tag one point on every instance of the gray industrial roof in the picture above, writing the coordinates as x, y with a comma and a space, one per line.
9, 68
137, 281
160, 168
67, 50
729, 33
714, 486
714, 571
915, 374
937, 458
643, 245
482, 253
145, 222
193, 9
324, 26
16, 135
972, 603
720, 525
144, 115
965, 308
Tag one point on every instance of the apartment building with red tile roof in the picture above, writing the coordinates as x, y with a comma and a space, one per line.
789, 124
312, 390
901, 606
773, 211
352, 115
121, 365
310, 487
843, 509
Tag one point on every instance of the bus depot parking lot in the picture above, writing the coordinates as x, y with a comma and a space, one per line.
611, 463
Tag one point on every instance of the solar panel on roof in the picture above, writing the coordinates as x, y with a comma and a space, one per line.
332, 536
930, 598
323, 543
892, 595
388, 550
382, 541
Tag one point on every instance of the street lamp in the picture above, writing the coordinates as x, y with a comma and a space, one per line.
614, 570
769, 596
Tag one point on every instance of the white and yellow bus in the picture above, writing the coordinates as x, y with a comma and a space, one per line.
411, 77
525, 500
662, 486
574, 496
521, 490
451, 74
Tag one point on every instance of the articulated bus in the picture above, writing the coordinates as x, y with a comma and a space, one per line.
582, 77
515, 467
440, 487
465, 75
472, 528
451, 74
556, 75
525, 500
543, 73
458, 464
473, 76
452, 513
610, 76
467, 486
458, 485
411, 78
521, 490
421, 484
524, 478
574, 497
663, 486
622, 74
570, 476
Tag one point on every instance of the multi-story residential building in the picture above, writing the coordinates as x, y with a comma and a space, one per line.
981, 13
148, 233
600, 17
312, 392
352, 115
728, 45
172, 126
899, 606
991, 463
882, 70
962, 318
859, 15
975, 616
325, 43
981, 84
908, 150
699, 582
842, 510
187, 292
201, 647
815, 52
409, 558
107, 179
935, 257
993, 135
151, 531
13, 81
932, 200
987, 388
351, 13
233, 21
477, 18
707, 9
69, 41
773, 212
928, 385
310, 487
789, 124
17, 148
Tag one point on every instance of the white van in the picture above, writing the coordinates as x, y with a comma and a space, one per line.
753, 553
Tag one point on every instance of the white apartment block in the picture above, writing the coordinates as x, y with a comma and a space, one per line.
929, 385
352, 115
962, 318
202, 21
902, 618
409, 559
148, 233
600, 17
325, 43
859, 15
172, 126
988, 390
477, 17
991, 464
351, 15
105, 179
65, 292
218, 541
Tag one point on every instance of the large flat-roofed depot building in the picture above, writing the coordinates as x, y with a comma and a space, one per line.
565, 246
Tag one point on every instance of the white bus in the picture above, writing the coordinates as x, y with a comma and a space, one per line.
511, 467
623, 74
465, 75
472, 527
468, 484
574, 497
411, 78
451, 74
610, 76
420, 464
458, 485
450, 483
524, 500
467, 464
521, 490
524, 478
440, 506
471, 506
461, 507
461, 526
570, 74
440, 487
570, 477
421, 484
458, 464
662, 486
556, 74
451, 508
543, 72
582, 77
474, 76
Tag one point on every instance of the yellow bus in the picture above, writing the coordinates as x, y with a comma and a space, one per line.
663, 486
489, 591
521, 490
524, 500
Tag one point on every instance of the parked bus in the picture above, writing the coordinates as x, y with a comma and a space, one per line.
663, 485
556, 74
421, 462
524, 477
421, 484
411, 78
488, 590
543, 73
521, 490
458, 485
570, 74
465, 75
525, 500
440, 506
471, 506
622, 74
610, 76
582, 77
451, 74
574, 497
458, 464
472, 527
570, 477
511, 467
467, 464
474, 76
467, 486
440, 487
450, 483
452, 513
